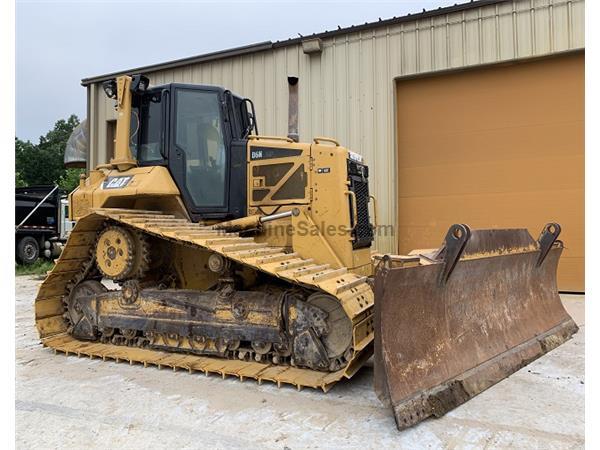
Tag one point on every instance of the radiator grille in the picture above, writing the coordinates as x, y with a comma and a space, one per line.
358, 176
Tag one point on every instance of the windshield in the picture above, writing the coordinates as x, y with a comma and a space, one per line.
199, 135
147, 128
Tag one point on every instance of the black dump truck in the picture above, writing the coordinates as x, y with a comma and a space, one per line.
41, 222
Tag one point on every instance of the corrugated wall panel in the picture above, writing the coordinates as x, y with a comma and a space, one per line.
236, 68
304, 98
383, 163
560, 27
281, 89
366, 92
258, 94
455, 43
423, 46
506, 31
472, 46
577, 23
522, 27
353, 92
347, 91
328, 80
440, 42
312, 67
541, 25
489, 35
341, 87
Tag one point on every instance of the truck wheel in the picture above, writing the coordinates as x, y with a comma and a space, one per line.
28, 250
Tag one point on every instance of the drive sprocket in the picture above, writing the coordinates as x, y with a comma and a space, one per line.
122, 254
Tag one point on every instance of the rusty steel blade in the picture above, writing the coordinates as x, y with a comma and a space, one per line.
472, 313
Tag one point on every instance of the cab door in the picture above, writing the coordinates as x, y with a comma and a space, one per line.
199, 155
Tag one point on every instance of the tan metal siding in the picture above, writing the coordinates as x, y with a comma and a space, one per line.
347, 92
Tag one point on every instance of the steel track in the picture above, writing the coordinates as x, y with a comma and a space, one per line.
353, 292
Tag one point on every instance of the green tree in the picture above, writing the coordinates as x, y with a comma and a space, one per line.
43, 163
70, 179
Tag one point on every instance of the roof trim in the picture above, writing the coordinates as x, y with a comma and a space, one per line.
268, 45
393, 21
221, 54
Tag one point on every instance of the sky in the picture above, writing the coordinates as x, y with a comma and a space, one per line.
59, 43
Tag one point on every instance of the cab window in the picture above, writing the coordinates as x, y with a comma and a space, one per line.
199, 135
146, 142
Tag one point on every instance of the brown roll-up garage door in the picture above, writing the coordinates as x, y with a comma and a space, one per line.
500, 146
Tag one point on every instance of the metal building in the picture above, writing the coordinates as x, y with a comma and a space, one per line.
472, 113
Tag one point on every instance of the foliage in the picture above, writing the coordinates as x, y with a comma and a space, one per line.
70, 179
19, 182
43, 163
40, 267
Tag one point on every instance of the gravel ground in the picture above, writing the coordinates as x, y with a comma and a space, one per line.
70, 402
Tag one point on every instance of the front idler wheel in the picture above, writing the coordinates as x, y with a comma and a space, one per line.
79, 315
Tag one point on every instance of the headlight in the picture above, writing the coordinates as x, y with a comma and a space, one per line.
139, 83
110, 88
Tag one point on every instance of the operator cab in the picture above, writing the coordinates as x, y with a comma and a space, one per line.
200, 134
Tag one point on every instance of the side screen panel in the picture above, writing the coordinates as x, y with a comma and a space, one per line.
279, 173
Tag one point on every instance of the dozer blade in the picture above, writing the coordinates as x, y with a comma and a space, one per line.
452, 323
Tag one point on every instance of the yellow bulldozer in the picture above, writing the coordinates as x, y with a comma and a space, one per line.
207, 247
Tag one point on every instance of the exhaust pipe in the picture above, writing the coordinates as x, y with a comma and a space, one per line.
293, 109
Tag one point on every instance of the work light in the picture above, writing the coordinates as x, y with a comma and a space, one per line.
110, 88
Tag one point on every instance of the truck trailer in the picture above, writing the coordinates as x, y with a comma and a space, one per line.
41, 222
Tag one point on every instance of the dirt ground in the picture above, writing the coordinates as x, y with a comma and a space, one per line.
70, 402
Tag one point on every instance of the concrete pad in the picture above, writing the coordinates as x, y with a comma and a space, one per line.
82, 403
575, 306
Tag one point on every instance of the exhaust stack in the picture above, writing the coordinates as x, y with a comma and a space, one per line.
293, 109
